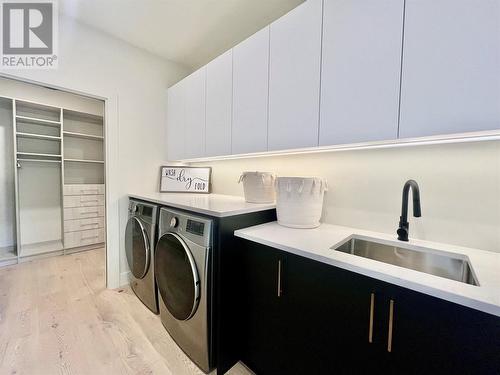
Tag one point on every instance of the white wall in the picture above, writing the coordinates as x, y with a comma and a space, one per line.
459, 186
7, 206
135, 83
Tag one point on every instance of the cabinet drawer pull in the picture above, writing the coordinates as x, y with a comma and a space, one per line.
92, 225
391, 322
279, 278
89, 238
372, 311
89, 191
90, 213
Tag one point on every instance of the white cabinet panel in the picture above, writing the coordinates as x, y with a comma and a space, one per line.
176, 121
360, 70
84, 238
83, 201
219, 104
83, 224
451, 67
250, 93
83, 212
294, 77
195, 114
84, 189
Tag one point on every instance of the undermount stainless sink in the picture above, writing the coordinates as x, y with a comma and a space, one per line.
451, 266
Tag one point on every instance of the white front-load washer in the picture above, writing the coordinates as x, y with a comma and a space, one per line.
183, 274
140, 238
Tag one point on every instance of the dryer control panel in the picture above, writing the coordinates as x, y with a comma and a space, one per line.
195, 227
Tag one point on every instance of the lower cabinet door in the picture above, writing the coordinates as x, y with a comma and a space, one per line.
433, 336
328, 314
264, 320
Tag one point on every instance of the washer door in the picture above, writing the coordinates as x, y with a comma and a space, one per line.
137, 248
177, 276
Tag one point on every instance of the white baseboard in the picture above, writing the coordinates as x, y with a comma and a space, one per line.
124, 278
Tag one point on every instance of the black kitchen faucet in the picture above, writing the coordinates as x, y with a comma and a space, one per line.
403, 219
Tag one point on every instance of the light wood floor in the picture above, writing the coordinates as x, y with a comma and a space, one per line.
57, 317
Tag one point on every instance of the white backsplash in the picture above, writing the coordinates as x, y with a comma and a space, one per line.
459, 188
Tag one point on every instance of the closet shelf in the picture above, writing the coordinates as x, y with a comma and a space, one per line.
39, 160
82, 135
84, 161
38, 121
38, 136
84, 117
37, 154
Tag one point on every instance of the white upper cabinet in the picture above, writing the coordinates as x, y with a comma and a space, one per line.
250, 93
451, 67
176, 121
361, 64
219, 105
294, 77
195, 114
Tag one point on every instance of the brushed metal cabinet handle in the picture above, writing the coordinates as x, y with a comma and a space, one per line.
391, 323
372, 311
279, 278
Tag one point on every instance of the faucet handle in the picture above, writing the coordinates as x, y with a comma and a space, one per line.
403, 231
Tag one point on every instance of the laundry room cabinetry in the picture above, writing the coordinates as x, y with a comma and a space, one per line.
219, 105
57, 176
195, 99
451, 67
250, 94
176, 120
294, 77
332, 73
301, 316
360, 75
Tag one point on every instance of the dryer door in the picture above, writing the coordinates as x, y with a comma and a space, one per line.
137, 247
177, 276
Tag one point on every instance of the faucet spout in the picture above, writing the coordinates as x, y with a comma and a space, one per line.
417, 210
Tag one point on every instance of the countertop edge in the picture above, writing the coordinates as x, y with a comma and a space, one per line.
214, 213
412, 285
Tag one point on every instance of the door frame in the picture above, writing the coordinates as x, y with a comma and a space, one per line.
111, 172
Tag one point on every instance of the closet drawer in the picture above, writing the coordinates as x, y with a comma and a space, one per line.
83, 238
83, 224
83, 201
84, 189
83, 212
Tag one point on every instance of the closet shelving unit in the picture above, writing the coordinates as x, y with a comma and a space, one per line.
59, 159
38, 148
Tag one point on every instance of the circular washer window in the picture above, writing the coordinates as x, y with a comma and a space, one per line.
137, 248
177, 276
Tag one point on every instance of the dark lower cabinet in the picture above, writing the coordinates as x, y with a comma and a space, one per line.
433, 336
299, 316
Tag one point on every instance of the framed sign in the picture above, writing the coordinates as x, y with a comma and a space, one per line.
177, 179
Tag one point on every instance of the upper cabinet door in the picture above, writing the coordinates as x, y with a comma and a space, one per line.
250, 93
176, 121
294, 77
361, 64
195, 114
219, 104
451, 67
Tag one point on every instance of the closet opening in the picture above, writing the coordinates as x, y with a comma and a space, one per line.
52, 171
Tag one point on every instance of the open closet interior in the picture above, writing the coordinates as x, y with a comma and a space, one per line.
52, 174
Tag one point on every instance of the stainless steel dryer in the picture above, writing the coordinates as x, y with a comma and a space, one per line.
184, 277
140, 237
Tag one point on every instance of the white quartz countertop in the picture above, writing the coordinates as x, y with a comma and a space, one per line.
317, 244
217, 205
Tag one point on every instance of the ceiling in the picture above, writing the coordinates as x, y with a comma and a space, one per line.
189, 32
